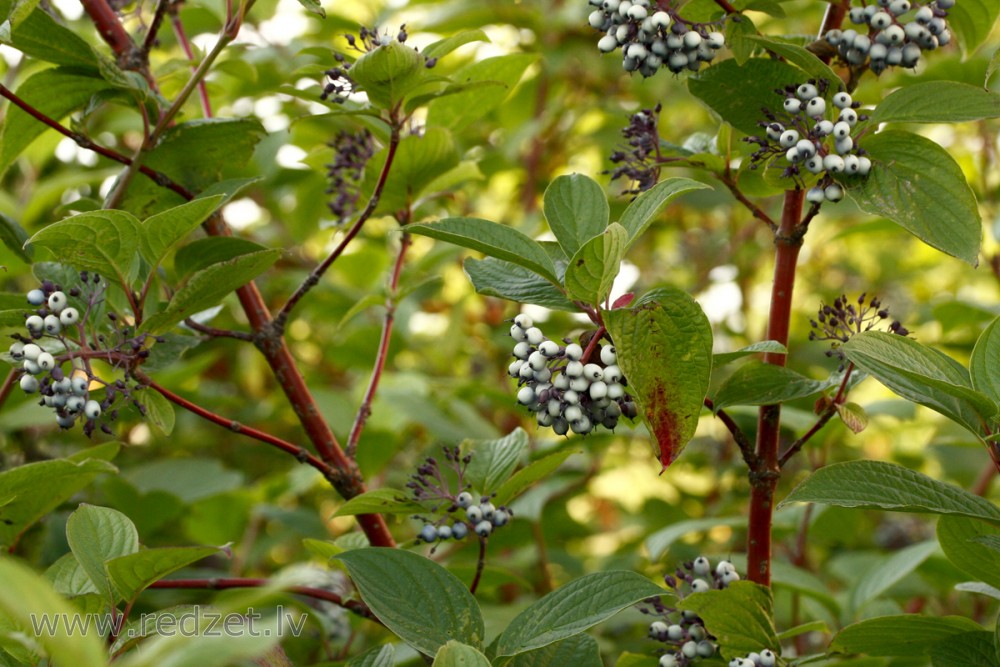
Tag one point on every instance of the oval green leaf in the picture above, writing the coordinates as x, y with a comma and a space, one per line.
642, 212
97, 535
457, 654
593, 268
757, 383
102, 241
902, 635
921, 103
739, 616
495, 277
576, 209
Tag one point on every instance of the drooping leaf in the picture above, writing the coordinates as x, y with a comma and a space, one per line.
493, 461
495, 277
39, 36
133, 573
419, 161
388, 73
903, 635
415, 597
726, 86
883, 576
592, 270
457, 654
853, 416
492, 239
576, 209
972, 21
643, 212
960, 540
757, 383
20, 503
922, 375
103, 241
13, 236
664, 345
531, 473
887, 486
771, 346
27, 598
97, 535
573, 608
161, 231
159, 411
921, 103
739, 616
458, 111
919, 186
209, 286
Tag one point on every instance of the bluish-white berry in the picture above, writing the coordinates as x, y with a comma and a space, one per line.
484, 528
36, 297
29, 384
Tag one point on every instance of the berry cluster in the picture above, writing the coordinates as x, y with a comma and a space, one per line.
765, 658
59, 334
340, 85
683, 632
459, 513
887, 38
839, 322
810, 142
561, 388
352, 151
651, 38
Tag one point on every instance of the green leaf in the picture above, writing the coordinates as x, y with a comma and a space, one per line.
921, 103
209, 286
922, 375
102, 241
811, 626
380, 501
972, 649
883, 576
739, 616
992, 68
27, 598
984, 366
458, 111
13, 235
579, 651
724, 358
576, 209
161, 231
159, 411
420, 601
853, 416
39, 36
903, 635
664, 344
495, 277
443, 47
19, 11
573, 608
757, 383
53, 92
593, 268
726, 86
493, 461
420, 159
492, 239
737, 31
21, 505
887, 486
388, 72
380, 656
972, 21
96, 535
960, 540
203, 253
133, 573
642, 212
919, 186
313, 7
802, 58
457, 654
530, 474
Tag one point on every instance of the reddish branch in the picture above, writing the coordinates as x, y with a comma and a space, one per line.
365, 409
764, 478
355, 606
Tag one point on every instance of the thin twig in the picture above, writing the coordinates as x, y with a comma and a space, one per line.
827, 415
729, 9
181, 35
355, 606
154, 25
8, 385
312, 280
217, 333
746, 447
726, 178
480, 564
365, 409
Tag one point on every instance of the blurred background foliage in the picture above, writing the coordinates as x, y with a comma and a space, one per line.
445, 379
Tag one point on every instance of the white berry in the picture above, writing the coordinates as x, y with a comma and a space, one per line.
29, 384
57, 301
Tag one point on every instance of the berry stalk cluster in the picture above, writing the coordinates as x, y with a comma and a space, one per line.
844, 319
894, 33
459, 513
651, 38
684, 632
559, 385
816, 139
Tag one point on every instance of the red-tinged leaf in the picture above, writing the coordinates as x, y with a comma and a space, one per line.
623, 300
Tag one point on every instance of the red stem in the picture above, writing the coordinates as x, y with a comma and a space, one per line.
220, 584
764, 479
365, 409
178, 27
